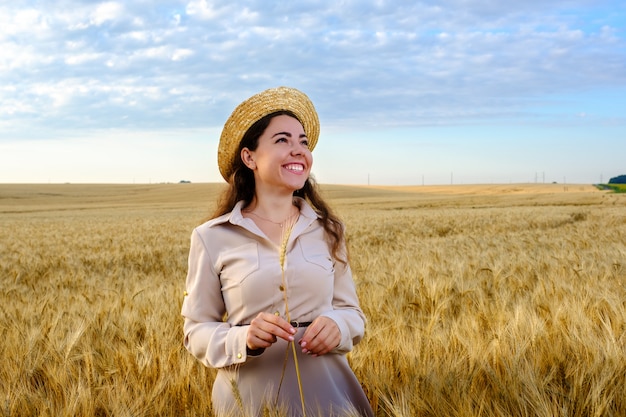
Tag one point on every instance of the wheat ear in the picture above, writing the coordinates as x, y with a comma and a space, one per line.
282, 255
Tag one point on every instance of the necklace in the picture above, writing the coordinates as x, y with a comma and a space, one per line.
279, 224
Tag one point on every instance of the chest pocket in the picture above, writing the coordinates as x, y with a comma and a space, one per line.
237, 264
316, 252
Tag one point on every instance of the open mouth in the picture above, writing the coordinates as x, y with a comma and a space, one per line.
294, 167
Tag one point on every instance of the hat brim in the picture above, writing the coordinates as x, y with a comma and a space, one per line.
256, 107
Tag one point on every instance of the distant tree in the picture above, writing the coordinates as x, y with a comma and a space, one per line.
620, 179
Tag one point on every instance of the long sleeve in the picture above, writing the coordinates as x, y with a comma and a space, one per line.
346, 311
215, 343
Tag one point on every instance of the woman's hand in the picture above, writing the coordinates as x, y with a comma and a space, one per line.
320, 337
264, 330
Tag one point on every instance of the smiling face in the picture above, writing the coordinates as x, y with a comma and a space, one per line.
282, 159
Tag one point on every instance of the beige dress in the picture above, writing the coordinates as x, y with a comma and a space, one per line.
234, 273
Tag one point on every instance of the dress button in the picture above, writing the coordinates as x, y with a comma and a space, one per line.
239, 356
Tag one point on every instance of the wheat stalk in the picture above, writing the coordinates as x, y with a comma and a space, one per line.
282, 251
237, 395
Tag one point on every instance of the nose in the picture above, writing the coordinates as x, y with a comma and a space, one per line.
296, 149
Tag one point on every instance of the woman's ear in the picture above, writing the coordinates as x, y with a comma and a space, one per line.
248, 158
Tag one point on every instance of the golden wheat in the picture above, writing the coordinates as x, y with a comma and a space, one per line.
282, 255
492, 301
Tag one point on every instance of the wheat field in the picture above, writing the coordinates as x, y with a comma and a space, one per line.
489, 300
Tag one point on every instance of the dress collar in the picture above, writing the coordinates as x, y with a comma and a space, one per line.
235, 217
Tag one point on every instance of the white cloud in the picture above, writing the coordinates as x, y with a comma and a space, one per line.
202, 9
78, 59
181, 53
10, 108
409, 63
247, 16
15, 56
22, 21
138, 35
105, 12
162, 52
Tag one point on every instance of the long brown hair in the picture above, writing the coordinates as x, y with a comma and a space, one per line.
242, 187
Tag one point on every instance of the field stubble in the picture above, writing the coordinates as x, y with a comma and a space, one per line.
488, 301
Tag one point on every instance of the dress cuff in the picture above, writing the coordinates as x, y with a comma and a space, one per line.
254, 352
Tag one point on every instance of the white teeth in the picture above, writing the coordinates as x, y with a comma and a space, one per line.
295, 167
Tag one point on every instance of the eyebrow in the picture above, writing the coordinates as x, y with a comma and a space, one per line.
287, 134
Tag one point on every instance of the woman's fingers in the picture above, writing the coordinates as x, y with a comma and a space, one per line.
265, 328
320, 337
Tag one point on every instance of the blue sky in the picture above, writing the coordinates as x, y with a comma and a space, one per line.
408, 92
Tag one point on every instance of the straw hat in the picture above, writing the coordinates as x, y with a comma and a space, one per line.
256, 107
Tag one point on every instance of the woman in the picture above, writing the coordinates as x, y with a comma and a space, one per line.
270, 269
